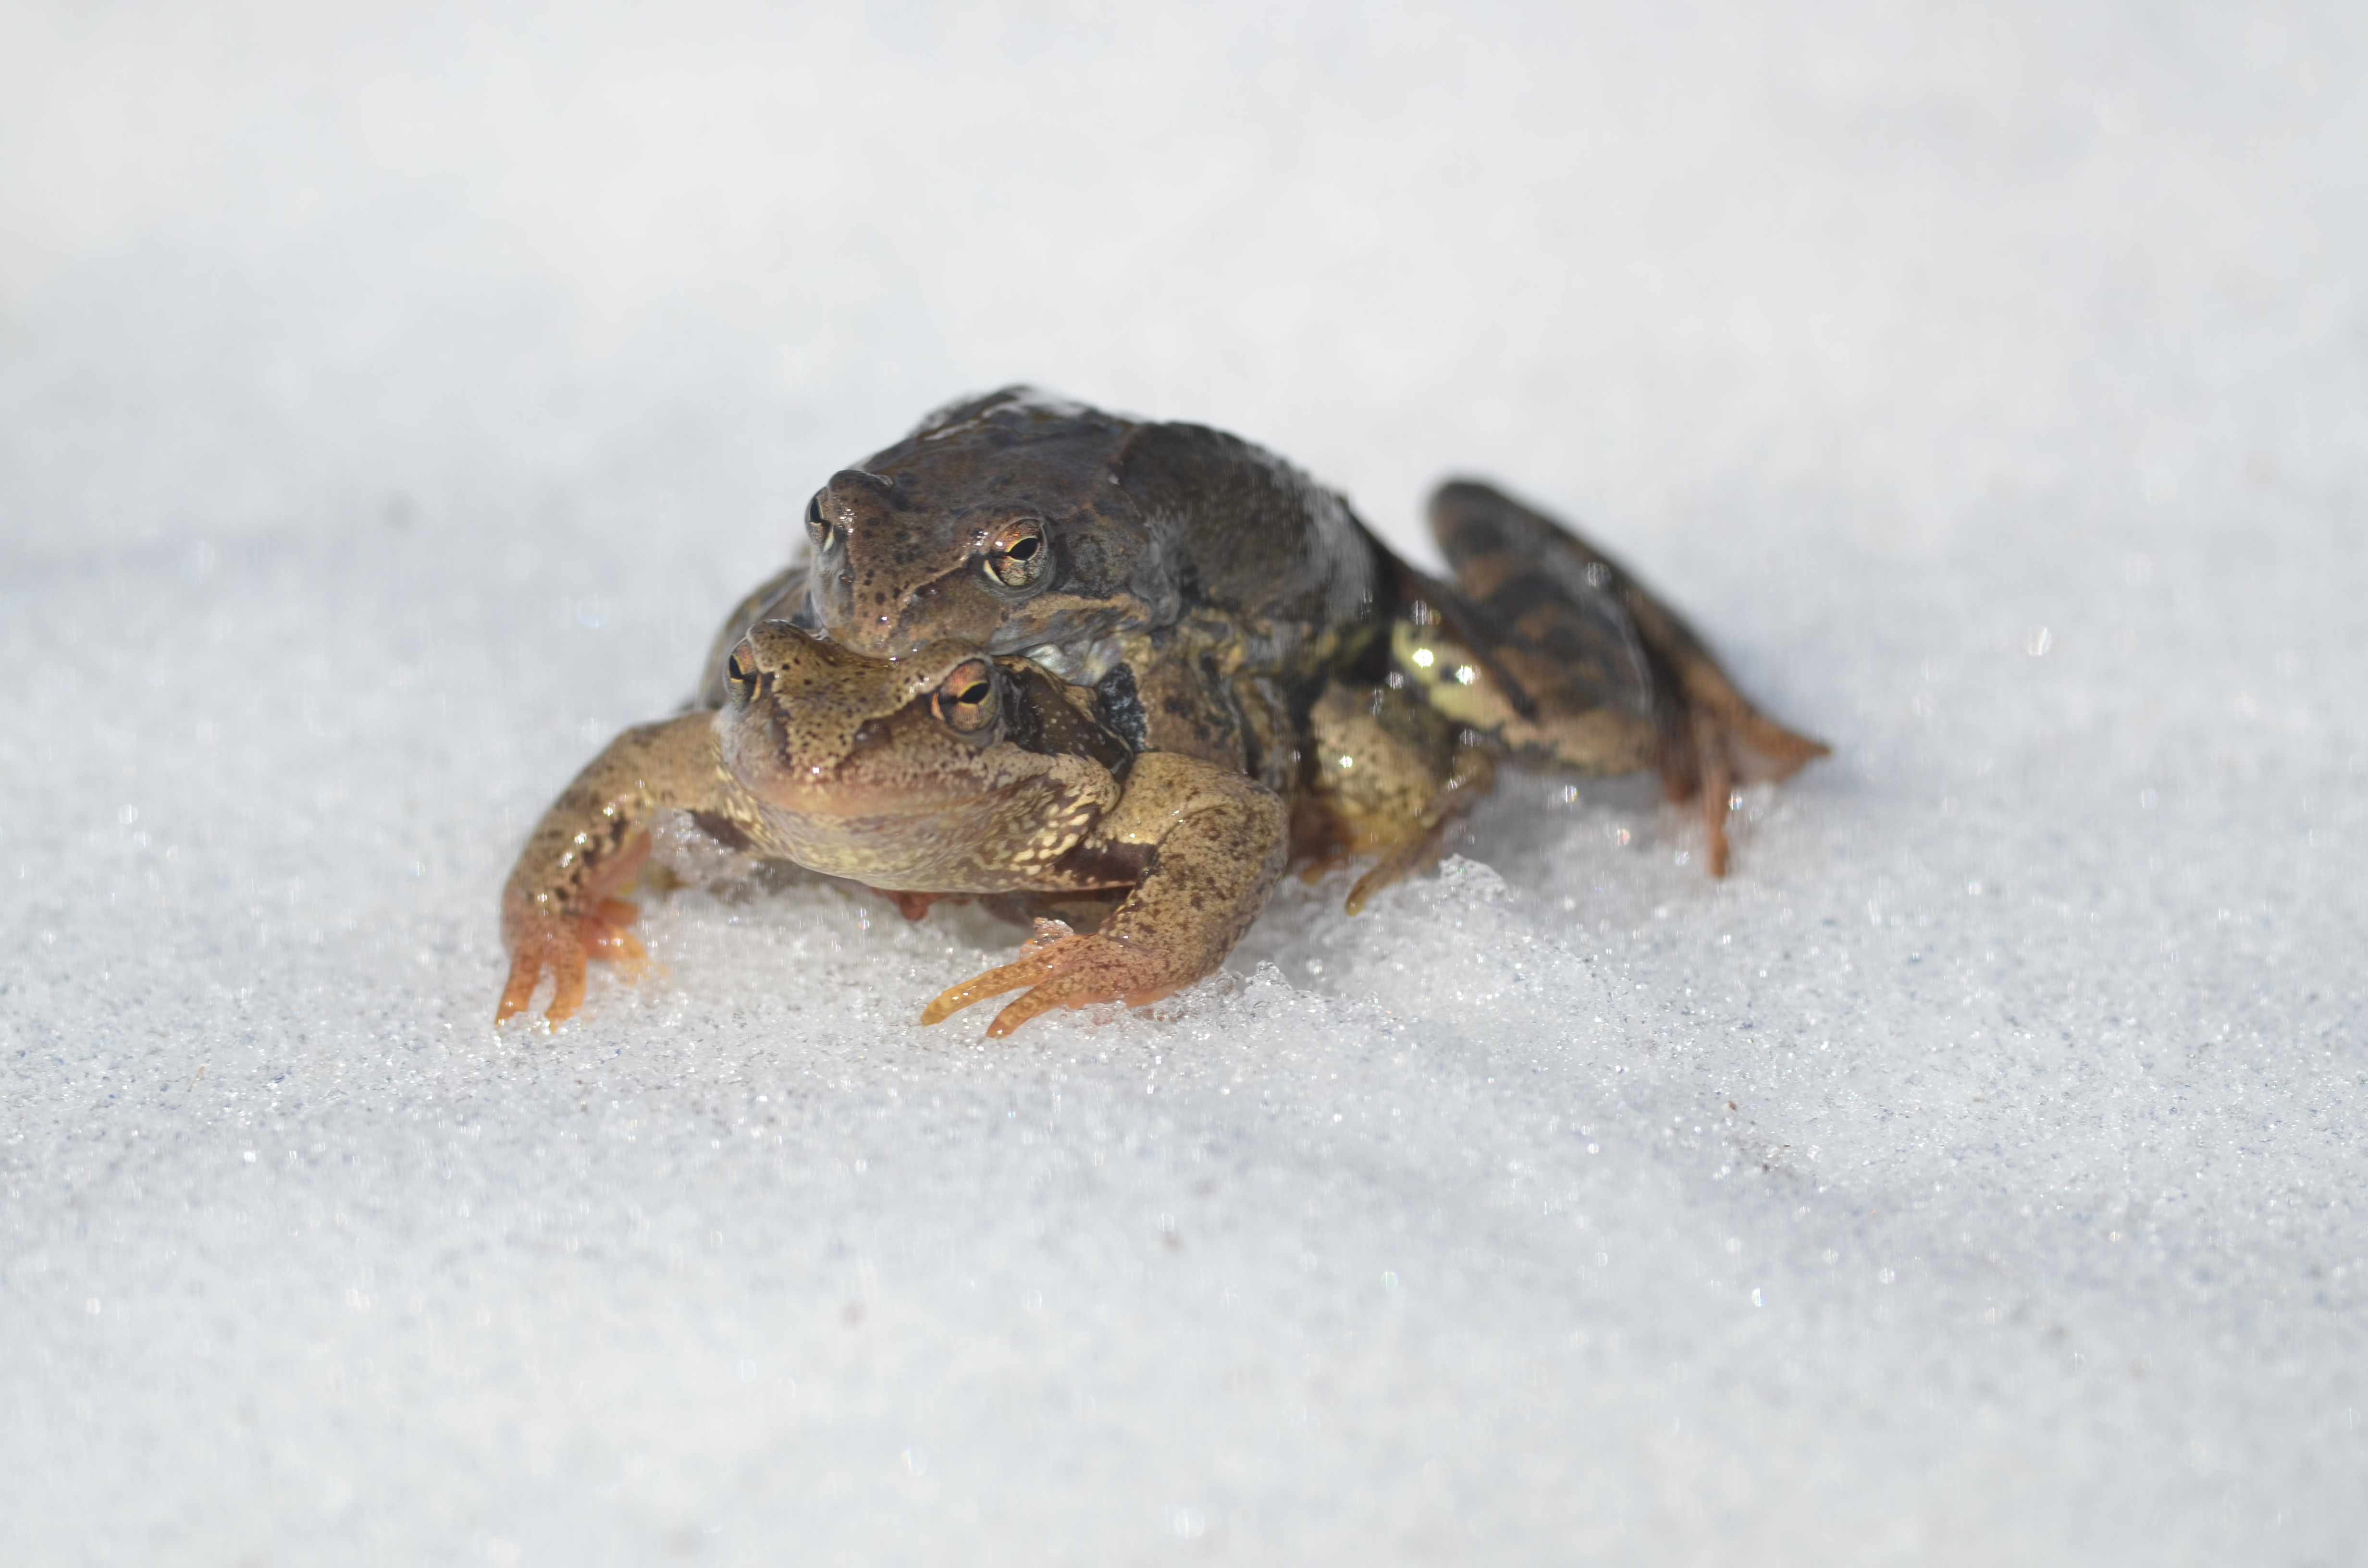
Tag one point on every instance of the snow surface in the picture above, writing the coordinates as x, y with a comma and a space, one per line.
391, 401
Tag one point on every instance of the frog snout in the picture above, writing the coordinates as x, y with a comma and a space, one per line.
851, 497
770, 650
778, 659
834, 507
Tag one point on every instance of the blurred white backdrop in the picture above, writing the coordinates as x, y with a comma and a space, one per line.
391, 398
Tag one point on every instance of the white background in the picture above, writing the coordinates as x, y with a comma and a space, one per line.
392, 400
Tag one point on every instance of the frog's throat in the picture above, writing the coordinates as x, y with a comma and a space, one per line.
999, 846
1088, 663
827, 796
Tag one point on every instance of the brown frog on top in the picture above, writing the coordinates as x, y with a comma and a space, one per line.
1230, 670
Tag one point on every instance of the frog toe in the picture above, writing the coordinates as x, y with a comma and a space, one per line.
605, 938
525, 974
563, 947
1105, 971
1065, 970
1706, 755
994, 982
540, 947
1419, 851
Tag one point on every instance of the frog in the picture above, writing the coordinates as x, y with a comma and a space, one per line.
938, 775
1225, 663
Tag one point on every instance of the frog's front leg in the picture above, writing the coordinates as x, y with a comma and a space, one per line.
1389, 775
1216, 844
559, 909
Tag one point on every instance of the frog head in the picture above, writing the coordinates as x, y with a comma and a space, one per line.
1000, 525
941, 772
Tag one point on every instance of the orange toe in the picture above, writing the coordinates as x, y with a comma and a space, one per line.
994, 982
525, 974
1047, 952
1063, 971
562, 948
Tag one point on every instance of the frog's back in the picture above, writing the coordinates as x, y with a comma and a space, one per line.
1257, 541
1017, 523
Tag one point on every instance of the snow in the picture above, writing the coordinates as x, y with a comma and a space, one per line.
392, 400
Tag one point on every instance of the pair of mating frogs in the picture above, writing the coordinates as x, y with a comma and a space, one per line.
1127, 673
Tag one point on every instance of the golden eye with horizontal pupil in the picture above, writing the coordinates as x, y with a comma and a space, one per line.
1015, 558
817, 529
740, 675
965, 699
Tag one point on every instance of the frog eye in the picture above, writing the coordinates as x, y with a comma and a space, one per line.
816, 529
740, 675
965, 700
1016, 556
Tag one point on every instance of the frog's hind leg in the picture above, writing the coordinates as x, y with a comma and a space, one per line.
1558, 614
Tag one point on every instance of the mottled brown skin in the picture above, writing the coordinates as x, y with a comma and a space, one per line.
1223, 582
1202, 665
955, 774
